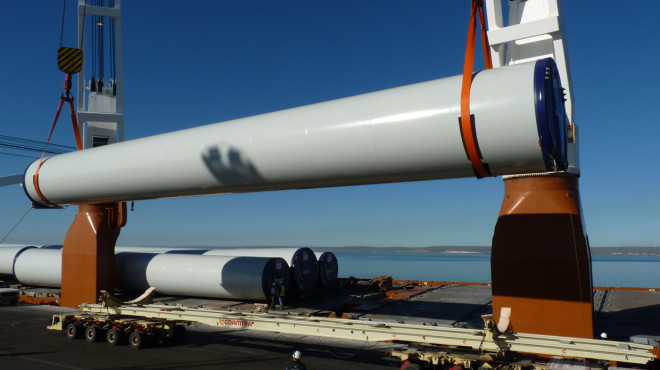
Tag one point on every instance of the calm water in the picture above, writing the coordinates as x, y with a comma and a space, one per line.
621, 271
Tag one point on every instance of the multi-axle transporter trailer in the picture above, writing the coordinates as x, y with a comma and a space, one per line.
156, 323
137, 332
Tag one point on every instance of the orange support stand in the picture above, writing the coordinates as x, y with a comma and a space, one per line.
88, 254
540, 262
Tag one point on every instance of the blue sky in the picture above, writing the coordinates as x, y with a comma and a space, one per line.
188, 64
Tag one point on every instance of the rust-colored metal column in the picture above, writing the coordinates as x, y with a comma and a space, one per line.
540, 262
88, 254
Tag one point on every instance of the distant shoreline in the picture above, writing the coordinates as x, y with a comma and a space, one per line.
595, 251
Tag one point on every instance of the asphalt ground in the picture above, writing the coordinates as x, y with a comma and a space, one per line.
25, 343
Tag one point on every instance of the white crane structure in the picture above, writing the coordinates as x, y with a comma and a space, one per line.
535, 30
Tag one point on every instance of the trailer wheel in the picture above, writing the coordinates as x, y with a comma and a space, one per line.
136, 340
179, 334
92, 333
73, 331
113, 337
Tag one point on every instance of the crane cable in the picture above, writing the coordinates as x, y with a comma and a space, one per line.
113, 52
15, 225
62, 28
467, 121
69, 62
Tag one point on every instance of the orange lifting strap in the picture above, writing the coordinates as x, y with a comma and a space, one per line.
66, 96
468, 132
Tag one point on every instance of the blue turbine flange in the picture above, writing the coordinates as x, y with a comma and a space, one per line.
551, 118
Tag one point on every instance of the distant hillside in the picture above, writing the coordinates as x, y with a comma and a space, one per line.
596, 251
448, 249
599, 251
626, 251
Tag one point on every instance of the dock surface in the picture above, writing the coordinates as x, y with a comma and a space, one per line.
26, 344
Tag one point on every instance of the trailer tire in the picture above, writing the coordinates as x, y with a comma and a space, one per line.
179, 334
73, 331
113, 337
137, 339
92, 333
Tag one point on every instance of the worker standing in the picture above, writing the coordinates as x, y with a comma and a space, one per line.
273, 293
296, 362
281, 295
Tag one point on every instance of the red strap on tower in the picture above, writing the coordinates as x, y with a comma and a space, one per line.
468, 132
65, 97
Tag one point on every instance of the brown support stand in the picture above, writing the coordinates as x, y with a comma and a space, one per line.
88, 254
540, 262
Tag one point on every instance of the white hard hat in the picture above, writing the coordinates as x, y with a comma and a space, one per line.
297, 355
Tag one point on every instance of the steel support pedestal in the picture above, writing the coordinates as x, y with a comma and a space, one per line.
88, 254
540, 261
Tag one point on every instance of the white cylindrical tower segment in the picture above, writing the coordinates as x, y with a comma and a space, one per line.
215, 276
193, 275
406, 133
39, 267
8, 255
302, 263
201, 276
